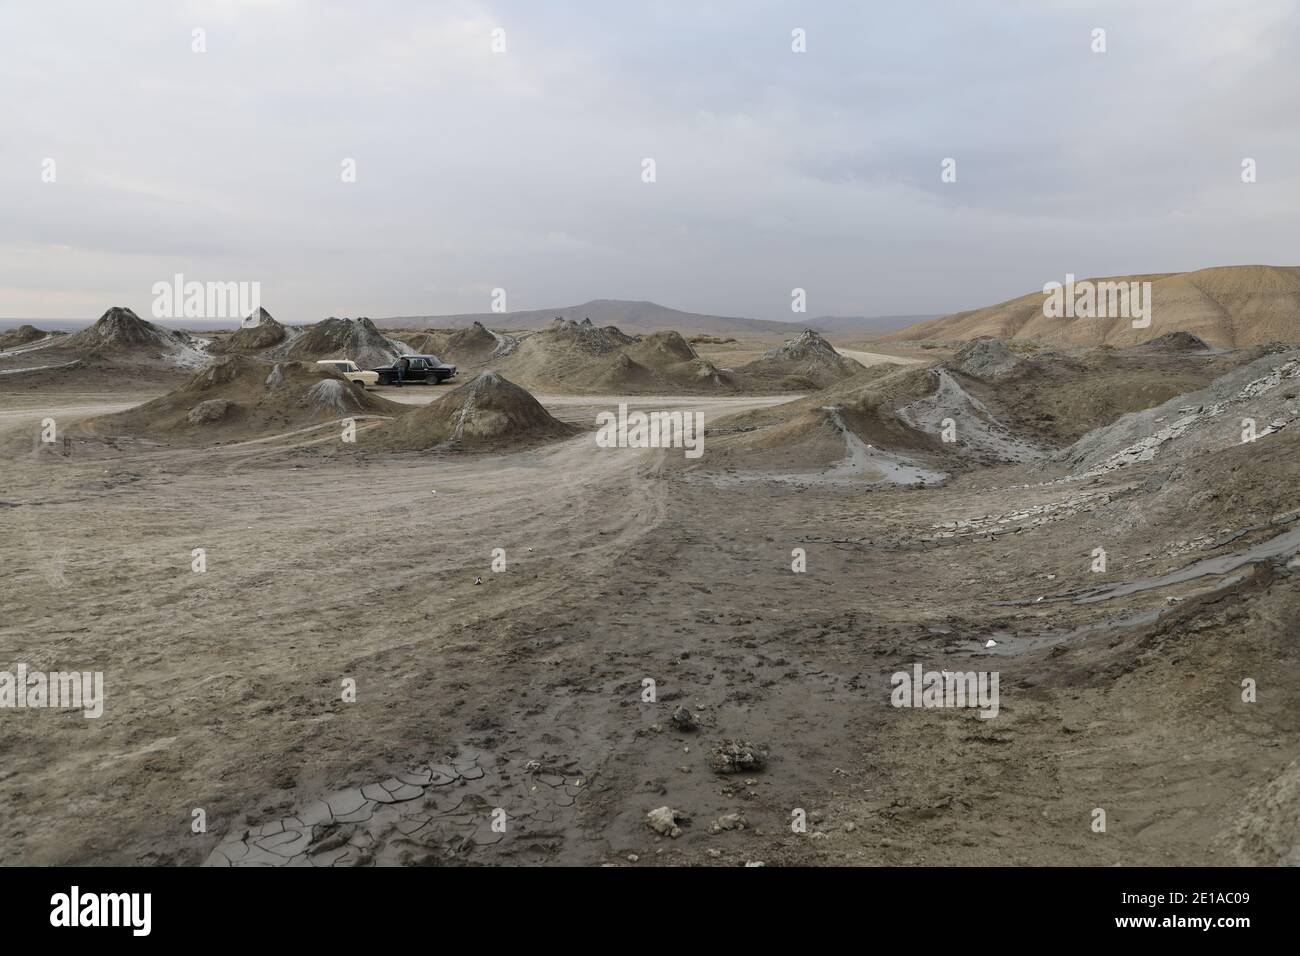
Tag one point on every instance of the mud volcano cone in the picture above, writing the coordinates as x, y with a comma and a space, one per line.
257, 332
487, 410
22, 335
806, 361
121, 330
355, 339
987, 359
239, 398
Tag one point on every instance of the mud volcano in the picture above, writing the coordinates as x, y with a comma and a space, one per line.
805, 362
578, 355
988, 360
123, 337
257, 333
488, 410
474, 345
1176, 342
239, 398
355, 339
23, 335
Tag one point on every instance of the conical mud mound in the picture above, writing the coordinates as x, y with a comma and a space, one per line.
805, 362
120, 336
580, 356
23, 335
473, 345
257, 333
239, 398
989, 360
1176, 342
487, 410
355, 339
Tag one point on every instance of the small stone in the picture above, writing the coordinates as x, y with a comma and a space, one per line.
664, 820
684, 720
729, 821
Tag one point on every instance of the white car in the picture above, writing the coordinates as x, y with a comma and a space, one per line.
350, 371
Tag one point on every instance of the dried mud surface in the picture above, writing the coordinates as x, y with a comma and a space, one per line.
523, 693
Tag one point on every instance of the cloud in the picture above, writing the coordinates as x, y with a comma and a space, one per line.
521, 170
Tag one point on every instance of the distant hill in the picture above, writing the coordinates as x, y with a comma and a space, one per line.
864, 325
1224, 306
634, 318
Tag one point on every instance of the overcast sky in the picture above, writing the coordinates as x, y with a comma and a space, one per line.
523, 169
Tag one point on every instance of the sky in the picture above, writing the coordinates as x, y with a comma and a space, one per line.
522, 169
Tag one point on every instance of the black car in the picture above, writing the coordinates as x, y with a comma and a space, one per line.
419, 368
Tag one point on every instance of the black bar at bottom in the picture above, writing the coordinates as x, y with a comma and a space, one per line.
365, 906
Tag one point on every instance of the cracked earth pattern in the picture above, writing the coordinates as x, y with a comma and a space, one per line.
432, 813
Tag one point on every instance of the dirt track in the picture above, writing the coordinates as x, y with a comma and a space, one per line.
224, 688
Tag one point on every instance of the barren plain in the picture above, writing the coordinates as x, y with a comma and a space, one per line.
500, 598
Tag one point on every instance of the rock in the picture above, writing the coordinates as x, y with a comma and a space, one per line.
684, 720
734, 756
212, 410
729, 821
664, 820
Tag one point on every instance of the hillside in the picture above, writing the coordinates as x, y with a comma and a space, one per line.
1225, 306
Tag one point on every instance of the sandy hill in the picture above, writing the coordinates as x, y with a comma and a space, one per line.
238, 398
23, 335
355, 339
585, 357
1227, 306
488, 410
259, 332
632, 317
805, 362
122, 337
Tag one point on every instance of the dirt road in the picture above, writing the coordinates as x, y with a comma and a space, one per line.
876, 358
